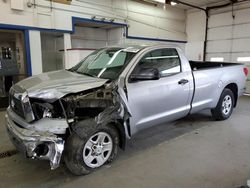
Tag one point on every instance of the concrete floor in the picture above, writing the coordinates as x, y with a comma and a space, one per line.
192, 152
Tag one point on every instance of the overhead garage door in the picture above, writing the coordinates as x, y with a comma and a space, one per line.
228, 38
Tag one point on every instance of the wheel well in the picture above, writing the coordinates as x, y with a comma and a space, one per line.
234, 88
118, 125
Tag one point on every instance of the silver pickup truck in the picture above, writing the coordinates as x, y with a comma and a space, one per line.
87, 112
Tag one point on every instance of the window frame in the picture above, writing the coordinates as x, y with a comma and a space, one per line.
150, 51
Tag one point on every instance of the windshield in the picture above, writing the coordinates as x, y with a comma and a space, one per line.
105, 63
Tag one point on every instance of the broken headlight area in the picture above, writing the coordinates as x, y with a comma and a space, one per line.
43, 109
50, 117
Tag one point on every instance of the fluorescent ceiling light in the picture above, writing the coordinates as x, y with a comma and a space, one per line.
170, 2
160, 1
243, 59
217, 59
173, 3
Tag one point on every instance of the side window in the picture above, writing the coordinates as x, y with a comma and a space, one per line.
165, 60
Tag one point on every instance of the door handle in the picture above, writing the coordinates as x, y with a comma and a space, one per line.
183, 81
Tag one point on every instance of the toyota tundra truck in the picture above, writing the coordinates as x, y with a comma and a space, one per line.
84, 114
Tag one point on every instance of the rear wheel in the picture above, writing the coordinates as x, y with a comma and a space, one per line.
96, 146
224, 108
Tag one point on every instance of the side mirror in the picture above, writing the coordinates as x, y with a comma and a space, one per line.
145, 74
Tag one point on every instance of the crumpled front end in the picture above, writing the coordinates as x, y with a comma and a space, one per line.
34, 144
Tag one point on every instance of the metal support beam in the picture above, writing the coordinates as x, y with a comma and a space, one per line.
187, 4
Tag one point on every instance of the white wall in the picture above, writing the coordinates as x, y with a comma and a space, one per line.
115, 36
75, 56
35, 52
144, 20
228, 36
89, 38
85, 40
196, 26
67, 44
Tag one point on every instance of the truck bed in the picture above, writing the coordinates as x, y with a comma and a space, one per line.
200, 65
208, 79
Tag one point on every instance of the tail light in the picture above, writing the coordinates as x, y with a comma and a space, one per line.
245, 71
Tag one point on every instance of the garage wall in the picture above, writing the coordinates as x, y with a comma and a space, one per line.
228, 36
86, 37
144, 20
196, 26
35, 52
85, 40
225, 34
116, 36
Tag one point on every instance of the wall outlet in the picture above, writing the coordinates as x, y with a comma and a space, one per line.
17, 4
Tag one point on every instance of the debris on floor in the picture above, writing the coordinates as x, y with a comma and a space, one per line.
8, 153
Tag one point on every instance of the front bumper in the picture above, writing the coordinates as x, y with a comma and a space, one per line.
35, 144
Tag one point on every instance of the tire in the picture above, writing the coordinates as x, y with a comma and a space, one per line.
80, 157
225, 106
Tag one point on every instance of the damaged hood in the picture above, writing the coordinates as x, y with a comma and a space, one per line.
56, 84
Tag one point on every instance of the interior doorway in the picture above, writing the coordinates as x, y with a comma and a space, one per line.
12, 62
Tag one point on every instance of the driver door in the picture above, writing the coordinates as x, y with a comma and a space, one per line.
156, 101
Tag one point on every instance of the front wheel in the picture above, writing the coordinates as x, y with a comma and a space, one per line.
97, 149
224, 108
96, 146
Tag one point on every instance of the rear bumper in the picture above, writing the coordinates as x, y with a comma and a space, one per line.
34, 144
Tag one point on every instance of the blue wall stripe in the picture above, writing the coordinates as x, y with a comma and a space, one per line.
27, 50
76, 19
86, 20
20, 27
